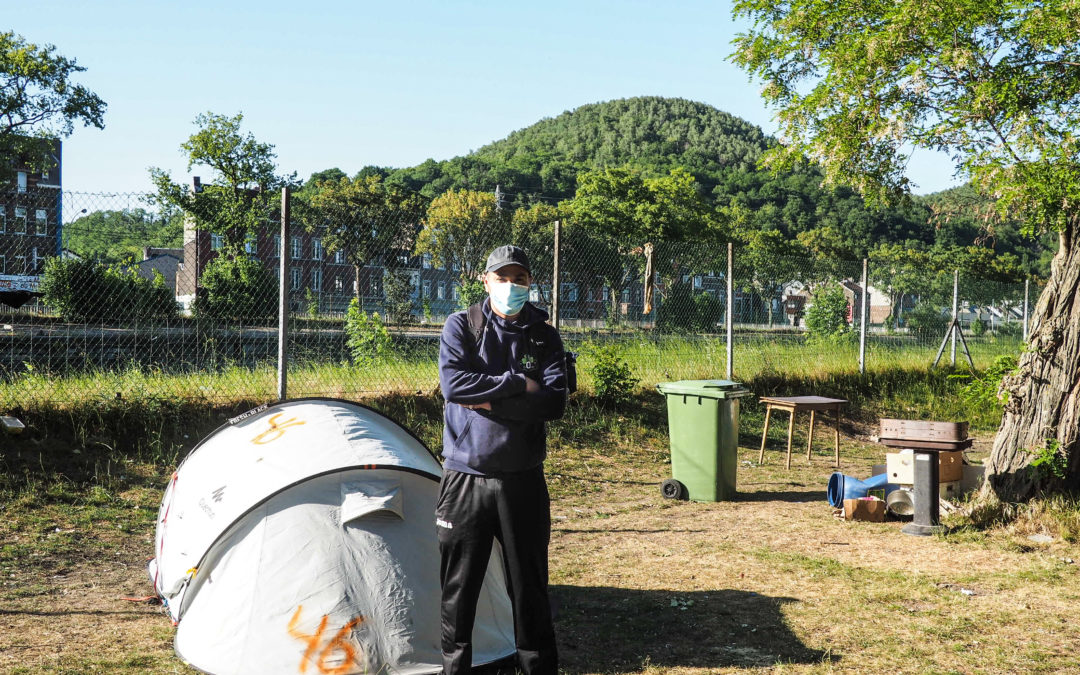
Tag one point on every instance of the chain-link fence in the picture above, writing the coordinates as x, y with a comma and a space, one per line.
117, 296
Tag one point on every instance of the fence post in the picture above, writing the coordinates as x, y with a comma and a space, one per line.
1026, 282
555, 279
730, 312
863, 319
283, 300
955, 313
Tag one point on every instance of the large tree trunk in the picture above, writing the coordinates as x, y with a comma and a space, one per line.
1044, 395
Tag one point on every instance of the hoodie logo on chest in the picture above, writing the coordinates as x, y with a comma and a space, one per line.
528, 362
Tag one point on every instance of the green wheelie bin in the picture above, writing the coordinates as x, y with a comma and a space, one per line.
703, 423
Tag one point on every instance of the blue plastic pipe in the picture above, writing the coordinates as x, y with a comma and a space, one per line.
843, 487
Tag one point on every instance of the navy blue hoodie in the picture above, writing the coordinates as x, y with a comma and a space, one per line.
511, 437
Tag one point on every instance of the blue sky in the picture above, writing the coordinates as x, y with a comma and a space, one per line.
348, 84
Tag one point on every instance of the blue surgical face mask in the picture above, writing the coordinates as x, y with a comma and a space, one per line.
506, 297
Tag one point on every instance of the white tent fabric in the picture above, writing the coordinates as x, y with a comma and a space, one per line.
300, 537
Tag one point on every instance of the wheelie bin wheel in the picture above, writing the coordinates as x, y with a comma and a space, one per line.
673, 489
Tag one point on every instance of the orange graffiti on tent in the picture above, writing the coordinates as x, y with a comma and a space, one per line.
337, 644
276, 430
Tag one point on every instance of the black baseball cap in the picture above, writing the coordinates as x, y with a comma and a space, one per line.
507, 255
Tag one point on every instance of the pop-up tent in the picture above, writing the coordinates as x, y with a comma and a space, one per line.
300, 538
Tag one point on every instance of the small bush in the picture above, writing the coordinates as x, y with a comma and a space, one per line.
613, 381
978, 328
85, 291
239, 288
366, 336
471, 292
826, 318
927, 323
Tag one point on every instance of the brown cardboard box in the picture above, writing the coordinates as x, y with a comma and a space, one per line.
950, 466
872, 510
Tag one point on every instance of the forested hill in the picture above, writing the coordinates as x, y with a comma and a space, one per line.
655, 135
651, 133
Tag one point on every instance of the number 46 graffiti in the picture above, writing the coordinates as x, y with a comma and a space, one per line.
338, 644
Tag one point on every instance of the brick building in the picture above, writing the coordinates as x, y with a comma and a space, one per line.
30, 227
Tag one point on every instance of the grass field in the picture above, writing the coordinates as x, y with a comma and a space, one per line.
768, 582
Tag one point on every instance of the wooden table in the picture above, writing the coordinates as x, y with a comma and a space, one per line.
794, 404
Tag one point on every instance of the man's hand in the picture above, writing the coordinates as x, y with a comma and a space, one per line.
531, 386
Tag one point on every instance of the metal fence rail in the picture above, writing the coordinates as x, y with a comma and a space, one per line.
111, 295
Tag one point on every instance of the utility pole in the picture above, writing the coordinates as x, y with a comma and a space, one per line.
283, 299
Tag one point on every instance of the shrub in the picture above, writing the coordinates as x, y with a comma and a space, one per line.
978, 327
471, 292
613, 381
366, 336
981, 393
398, 304
85, 291
826, 318
927, 323
240, 288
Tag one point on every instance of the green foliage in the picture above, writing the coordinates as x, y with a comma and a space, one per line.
115, 236
366, 336
613, 380
683, 311
398, 303
983, 392
85, 291
1050, 461
826, 318
40, 102
311, 301
992, 84
240, 288
470, 293
978, 327
243, 192
926, 322
460, 230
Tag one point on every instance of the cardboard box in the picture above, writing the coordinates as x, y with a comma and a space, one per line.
872, 510
901, 466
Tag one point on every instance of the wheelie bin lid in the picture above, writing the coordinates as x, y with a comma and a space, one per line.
704, 388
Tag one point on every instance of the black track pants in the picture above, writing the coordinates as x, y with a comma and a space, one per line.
471, 513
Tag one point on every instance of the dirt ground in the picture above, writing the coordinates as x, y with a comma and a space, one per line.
769, 582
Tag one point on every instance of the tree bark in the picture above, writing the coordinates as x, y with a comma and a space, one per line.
1044, 394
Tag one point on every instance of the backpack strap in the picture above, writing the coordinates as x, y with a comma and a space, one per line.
477, 323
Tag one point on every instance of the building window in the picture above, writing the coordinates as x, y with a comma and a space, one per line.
316, 249
35, 261
250, 245
3, 219
20, 220
427, 288
316, 280
216, 242
455, 292
697, 281
42, 221
22, 181
277, 245
427, 261
414, 284
296, 278
339, 257
339, 285
20, 265
297, 248
442, 290
569, 291
626, 295
374, 286
3, 264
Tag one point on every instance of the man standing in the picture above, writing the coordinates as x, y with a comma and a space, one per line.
503, 375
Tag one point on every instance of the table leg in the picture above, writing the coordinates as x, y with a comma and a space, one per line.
790, 433
836, 442
810, 439
765, 434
